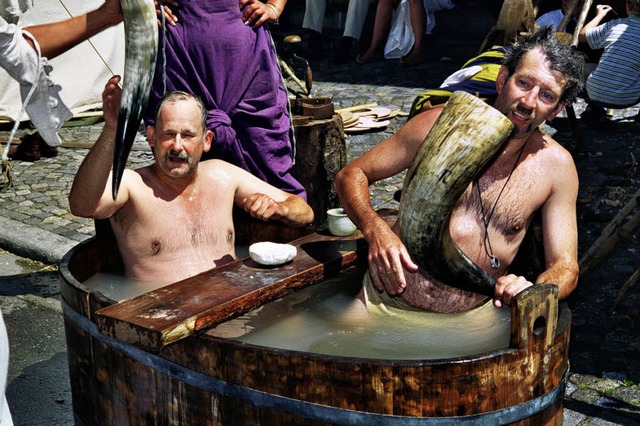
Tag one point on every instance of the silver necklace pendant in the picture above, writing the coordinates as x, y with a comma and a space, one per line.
494, 261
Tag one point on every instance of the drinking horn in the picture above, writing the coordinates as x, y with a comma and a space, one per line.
463, 139
141, 49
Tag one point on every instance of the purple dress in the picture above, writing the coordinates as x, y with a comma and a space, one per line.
233, 68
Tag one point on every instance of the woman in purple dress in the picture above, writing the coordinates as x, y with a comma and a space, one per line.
221, 51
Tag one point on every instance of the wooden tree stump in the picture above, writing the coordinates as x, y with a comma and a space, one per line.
321, 152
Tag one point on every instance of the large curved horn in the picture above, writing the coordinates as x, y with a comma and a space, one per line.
141, 49
465, 136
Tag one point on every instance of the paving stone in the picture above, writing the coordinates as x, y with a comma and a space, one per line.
589, 396
572, 418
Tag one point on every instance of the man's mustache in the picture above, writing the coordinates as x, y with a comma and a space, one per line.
177, 155
525, 111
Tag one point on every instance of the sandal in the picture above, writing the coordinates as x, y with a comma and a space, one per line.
416, 57
369, 56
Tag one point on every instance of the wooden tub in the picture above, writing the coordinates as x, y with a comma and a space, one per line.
199, 379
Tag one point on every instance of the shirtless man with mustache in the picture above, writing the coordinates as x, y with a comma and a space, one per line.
530, 173
173, 219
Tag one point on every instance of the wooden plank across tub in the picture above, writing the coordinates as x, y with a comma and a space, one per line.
168, 314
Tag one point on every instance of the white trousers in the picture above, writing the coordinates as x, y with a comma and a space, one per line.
356, 16
5, 414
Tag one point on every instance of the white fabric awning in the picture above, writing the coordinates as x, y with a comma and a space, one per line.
82, 72
11, 10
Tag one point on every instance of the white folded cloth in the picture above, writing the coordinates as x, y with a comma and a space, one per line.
40, 95
460, 76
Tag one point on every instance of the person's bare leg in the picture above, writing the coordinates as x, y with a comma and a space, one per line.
418, 25
381, 28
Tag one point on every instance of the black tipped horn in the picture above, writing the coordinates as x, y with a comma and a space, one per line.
141, 49
128, 123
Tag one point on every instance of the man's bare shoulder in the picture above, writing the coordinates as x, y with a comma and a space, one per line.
555, 161
403, 144
424, 121
216, 169
554, 151
216, 164
143, 176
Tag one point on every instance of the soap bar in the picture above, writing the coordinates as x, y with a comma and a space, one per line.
268, 253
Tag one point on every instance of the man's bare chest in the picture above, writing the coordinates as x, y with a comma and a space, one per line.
169, 228
505, 206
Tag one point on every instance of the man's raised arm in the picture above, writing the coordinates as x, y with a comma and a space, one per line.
560, 232
90, 194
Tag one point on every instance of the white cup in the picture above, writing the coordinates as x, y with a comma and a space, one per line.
339, 223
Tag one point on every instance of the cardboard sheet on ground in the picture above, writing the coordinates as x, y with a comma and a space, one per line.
80, 72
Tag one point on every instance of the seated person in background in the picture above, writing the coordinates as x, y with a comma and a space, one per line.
615, 82
422, 24
530, 173
382, 27
173, 219
553, 18
313, 22
56, 38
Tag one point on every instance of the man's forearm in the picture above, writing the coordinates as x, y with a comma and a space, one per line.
58, 37
582, 35
299, 213
563, 274
92, 177
353, 191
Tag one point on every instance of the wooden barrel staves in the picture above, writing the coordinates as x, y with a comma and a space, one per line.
463, 139
203, 379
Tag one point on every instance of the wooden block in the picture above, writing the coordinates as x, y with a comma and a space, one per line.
300, 120
318, 112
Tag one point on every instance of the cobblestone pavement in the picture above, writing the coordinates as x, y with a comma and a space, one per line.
605, 343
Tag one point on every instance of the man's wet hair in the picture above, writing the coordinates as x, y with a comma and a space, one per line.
179, 95
562, 58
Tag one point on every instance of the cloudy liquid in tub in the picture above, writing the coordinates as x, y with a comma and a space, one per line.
324, 319
117, 287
